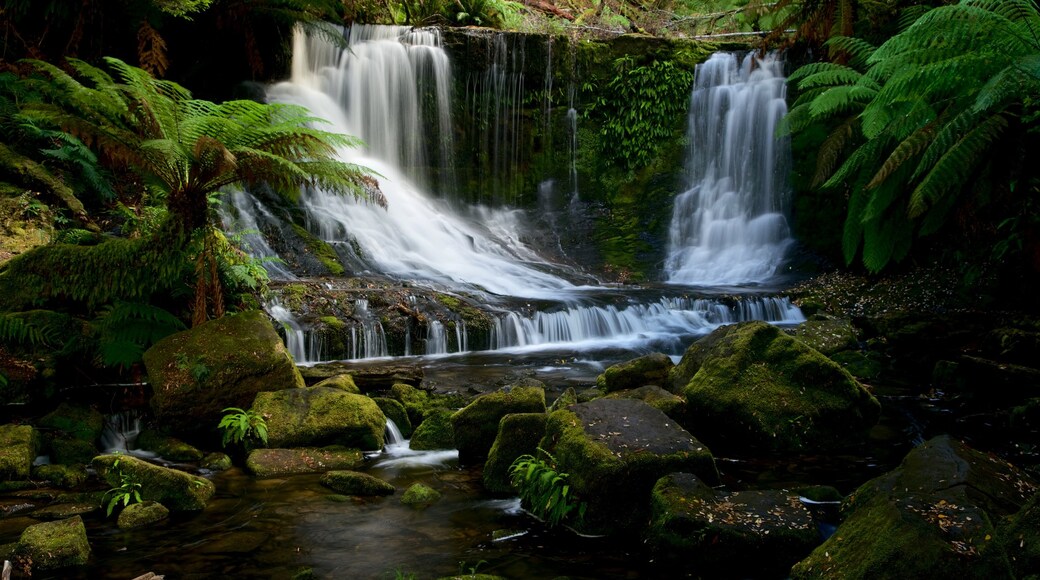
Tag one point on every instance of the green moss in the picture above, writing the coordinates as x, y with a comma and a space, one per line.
54, 545
355, 483
420, 496
167, 447
293, 296
216, 462
64, 476
518, 434
18, 449
435, 432
141, 514
396, 412
476, 425
315, 416
344, 382
415, 401
333, 322
72, 451
320, 249
281, 462
77, 422
567, 398
173, 488
651, 369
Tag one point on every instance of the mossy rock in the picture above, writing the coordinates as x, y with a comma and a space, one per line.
931, 517
435, 432
55, 545
615, 450
699, 531
197, 373
757, 388
177, 490
137, 515
320, 416
280, 462
518, 434
415, 401
63, 476
216, 462
651, 369
1017, 541
72, 451
74, 421
862, 365
342, 382
64, 511
320, 249
167, 447
672, 405
370, 378
827, 335
356, 483
420, 496
566, 399
396, 412
18, 449
476, 424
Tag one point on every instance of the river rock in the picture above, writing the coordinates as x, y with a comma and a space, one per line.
566, 399
826, 334
344, 382
74, 422
370, 378
420, 496
167, 447
62, 511
518, 434
355, 483
1017, 541
176, 489
415, 401
476, 425
670, 404
395, 411
18, 448
435, 432
280, 462
72, 451
137, 515
651, 369
615, 450
63, 476
931, 517
319, 416
709, 534
755, 387
54, 545
197, 373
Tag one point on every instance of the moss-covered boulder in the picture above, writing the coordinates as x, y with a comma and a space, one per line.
320, 416
281, 462
651, 369
1017, 541
827, 335
197, 373
137, 515
54, 545
415, 401
64, 476
356, 483
395, 411
167, 447
704, 533
476, 424
71, 451
18, 448
435, 431
175, 489
73, 421
420, 496
668, 403
932, 517
615, 450
344, 382
518, 434
216, 461
756, 387
566, 399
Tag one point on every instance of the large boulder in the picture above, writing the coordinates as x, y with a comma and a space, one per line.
651, 369
169, 448
175, 489
702, 532
320, 416
932, 517
54, 545
518, 434
395, 411
752, 386
18, 447
197, 373
281, 462
476, 424
74, 422
435, 431
415, 401
615, 450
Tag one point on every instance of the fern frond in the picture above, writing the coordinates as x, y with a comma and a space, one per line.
831, 150
909, 148
151, 49
852, 233
858, 50
839, 100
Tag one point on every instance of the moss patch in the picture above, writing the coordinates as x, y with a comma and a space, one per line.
18, 448
320, 249
168, 447
420, 496
318, 416
355, 483
396, 412
173, 488
74, 421
518, 434
342, 382
651, 369
54, 545
476, 424
142, 514
435, 432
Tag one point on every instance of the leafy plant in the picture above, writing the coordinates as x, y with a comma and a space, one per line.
198, 369
127, 329
239, 425
127, 492
545, 489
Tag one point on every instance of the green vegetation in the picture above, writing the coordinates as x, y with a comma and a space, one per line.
127, 492
544, 490
239, 426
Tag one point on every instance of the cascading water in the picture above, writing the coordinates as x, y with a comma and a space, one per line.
729, 227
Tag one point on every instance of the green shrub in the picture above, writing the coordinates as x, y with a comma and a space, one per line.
544, 490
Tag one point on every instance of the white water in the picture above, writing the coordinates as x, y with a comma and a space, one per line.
399, 454
374, 91
729, 227
120, 434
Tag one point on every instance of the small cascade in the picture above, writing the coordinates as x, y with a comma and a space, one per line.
240, 215
461, 337
729, 226
120, 434
436, 338
303, 345
393, 434
368, 340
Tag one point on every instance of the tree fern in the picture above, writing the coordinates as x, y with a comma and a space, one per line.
127, 329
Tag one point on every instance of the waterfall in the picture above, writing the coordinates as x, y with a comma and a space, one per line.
436, 338
374, 90
303, 345
120, 434
393, 434
729, 226
239, 217
370, 342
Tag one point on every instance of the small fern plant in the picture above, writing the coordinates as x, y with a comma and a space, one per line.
240, 426
127, 492
544, 490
